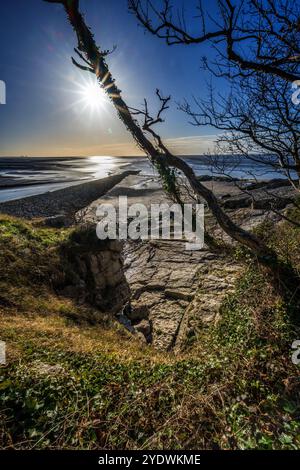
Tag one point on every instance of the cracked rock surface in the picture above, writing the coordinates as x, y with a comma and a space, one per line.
174, 290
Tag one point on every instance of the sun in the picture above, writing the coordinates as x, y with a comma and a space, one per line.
91, 97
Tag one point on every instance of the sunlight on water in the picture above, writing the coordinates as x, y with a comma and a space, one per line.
23, 176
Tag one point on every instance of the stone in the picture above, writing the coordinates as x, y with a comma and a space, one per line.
141, 337
138, 312
215, 283
175, 290
143, 327
58, 221
98, 278
182, 294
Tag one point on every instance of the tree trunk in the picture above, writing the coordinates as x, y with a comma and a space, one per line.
96, 61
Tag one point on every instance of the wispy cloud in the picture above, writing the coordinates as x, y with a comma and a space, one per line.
191, 145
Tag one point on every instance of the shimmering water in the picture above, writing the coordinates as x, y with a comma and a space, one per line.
22, 176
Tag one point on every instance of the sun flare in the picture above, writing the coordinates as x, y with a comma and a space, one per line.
91, 97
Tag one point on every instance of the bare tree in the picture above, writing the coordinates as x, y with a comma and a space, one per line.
257, 44
258, 122
248, 35
159, 155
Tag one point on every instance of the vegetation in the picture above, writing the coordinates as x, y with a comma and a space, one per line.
93, 60
81, 385
75, 379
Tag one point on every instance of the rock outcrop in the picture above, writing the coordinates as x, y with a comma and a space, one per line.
216, 281
174, 290
275, 195
94, 274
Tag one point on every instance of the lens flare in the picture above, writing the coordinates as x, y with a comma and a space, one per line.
90, 97
93, 95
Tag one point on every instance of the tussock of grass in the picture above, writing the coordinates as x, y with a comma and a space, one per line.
92, 386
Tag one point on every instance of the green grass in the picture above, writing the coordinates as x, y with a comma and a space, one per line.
81, 386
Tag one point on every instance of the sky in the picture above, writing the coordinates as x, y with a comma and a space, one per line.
50, 105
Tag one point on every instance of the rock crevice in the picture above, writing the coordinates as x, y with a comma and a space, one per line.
174, 290
94, 274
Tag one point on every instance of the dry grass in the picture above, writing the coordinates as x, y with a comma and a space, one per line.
76, 379
56, 332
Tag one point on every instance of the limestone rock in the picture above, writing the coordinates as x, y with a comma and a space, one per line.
165, 282
97, 276
143, 327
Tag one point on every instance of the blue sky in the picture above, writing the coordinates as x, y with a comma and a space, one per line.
47, 112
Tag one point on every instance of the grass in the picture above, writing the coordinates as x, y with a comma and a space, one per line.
82, 385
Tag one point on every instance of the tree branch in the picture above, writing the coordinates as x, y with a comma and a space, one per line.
87, 45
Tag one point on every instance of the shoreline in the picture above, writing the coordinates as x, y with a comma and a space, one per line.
30, 176
7, 182
68, 200
65, 202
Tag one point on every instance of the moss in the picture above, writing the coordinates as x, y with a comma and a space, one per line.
293, 213
34, 260
83, 239
92, 386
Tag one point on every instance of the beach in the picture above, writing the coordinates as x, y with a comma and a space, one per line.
66, 201
22, 177
248, 202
